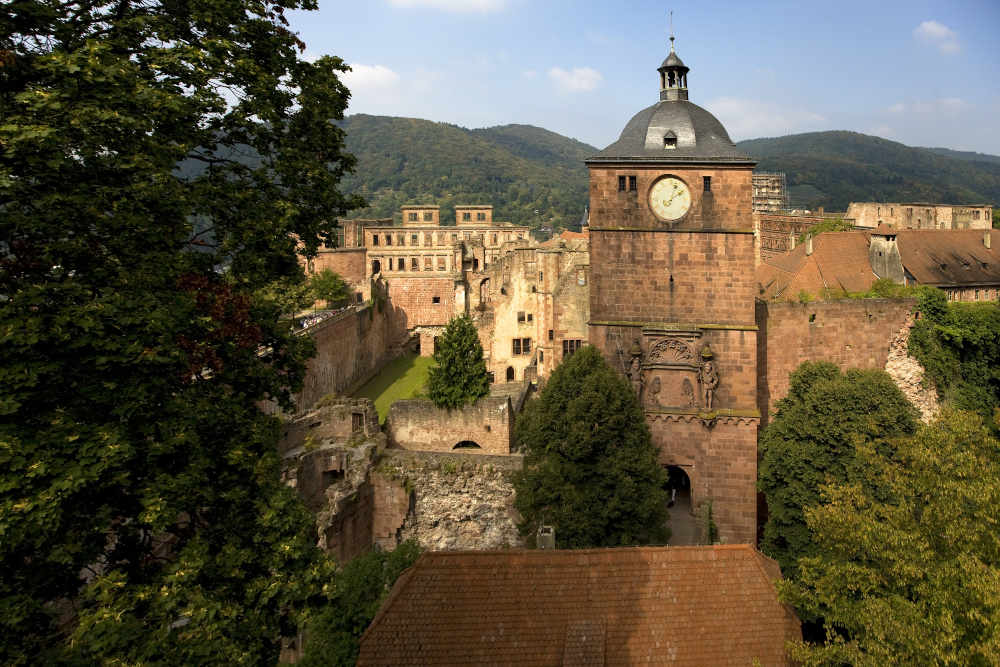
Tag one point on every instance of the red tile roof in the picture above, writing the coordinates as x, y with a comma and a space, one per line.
950, 257
712, 605
839, 261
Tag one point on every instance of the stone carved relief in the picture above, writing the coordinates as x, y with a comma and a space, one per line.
670, 350
634, 371
673, 368
687, 391
708, 377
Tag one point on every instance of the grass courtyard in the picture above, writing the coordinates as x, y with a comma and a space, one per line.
404, 377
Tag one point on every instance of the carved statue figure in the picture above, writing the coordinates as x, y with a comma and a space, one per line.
634, 371
653, 398
708, 376
687, 390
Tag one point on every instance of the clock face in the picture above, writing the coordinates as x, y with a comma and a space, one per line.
669, 198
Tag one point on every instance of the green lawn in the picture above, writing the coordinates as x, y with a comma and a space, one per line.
404, 377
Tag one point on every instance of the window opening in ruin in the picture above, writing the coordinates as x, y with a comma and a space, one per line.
621, 184
812, 317
466, 444
466, 216
530, 317
491, 376
520, 317
570, 346
401, 240
516, 346
581, 278
540, 276
374, 239
388, 239
480, 216
435, 299
376, 266
510, 374
707, 183
541, 355
454, 237
494, 239
428, 217
427, 264
632, 184
358, 297
551, 333
414, 264
413, 217
357, 422
414, 239
475, 264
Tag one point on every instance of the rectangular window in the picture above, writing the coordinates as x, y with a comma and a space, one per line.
441, 266
540, 276
468, 236
494, 239
621, 184
428, 238
428, 217
414, 264
707, 182
413, 239
401, 240
516, 346
374, 239
530, 317
570, 346
632, 184
427, 264
454, 237
551, 332
480, 216
436, 299
413, 217
388, 239
466, 216
520, 317
357, 422
541, 355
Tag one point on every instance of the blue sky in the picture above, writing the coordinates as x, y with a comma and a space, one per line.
922, 73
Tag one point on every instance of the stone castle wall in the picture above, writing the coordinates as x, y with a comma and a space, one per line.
852, 333
348, 263
416, 424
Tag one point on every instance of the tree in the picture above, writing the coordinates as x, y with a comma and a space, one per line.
459, 375
331, 288
907, 570
811, 441
590, 469
334, 634
831, 225
160, 162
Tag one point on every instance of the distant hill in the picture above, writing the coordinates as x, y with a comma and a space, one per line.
519, 169
832, 169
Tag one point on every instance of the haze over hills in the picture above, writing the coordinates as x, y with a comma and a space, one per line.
533, 176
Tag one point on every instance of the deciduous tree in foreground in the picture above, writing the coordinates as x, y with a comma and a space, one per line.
158, 162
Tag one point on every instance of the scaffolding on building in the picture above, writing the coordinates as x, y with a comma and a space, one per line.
770, 194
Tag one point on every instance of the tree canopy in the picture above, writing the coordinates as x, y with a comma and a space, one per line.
907, 567
329, 287
459, 375
811, 441
160, 162
590, 469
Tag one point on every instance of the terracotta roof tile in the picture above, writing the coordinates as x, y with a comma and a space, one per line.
683, 605
950, 257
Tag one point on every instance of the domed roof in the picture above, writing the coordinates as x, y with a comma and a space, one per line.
699, 135
673, 60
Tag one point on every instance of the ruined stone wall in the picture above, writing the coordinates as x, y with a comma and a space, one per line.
852, 333
416, 424
445, 501
348, 263
350, 348
414, 299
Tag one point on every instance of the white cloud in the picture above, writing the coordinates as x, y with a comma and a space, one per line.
749, 119
576, 80
944, 105
465, 6
939, 35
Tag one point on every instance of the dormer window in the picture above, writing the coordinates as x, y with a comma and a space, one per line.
670, 141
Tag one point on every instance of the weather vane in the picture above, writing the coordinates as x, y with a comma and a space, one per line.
671, 30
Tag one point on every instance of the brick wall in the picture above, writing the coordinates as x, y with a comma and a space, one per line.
852, 333
348, 263
414, 299
694, 277
350, 348
416, 424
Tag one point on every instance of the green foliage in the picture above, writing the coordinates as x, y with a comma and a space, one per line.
333, 634
958, 345
530, 175
832, 169
811, 441
136, 299
590, 469
329, 287
910, 574
832, 225
403, 377
709, 531
996, 218
459, 375
805, 297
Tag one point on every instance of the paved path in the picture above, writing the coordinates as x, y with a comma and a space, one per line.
684, 528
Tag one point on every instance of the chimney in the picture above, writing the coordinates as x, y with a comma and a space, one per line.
987, 241
809, 245
546, 537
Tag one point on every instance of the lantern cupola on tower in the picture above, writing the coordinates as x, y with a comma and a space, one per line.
673, 76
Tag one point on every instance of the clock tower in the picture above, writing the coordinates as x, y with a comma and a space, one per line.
672, 294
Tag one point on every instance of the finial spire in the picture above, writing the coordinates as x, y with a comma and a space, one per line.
671, 31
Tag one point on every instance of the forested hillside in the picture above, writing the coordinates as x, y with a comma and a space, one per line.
832, 169
530, 175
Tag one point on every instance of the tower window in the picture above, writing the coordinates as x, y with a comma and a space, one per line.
621, 184
632, 184
670, 141
435, 299
707, 181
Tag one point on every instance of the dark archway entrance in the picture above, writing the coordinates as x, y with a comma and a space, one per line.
684, 529
376, 267
466, 444
510, 374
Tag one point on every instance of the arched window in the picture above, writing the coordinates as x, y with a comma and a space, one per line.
510, 374
376, 267
466, 444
